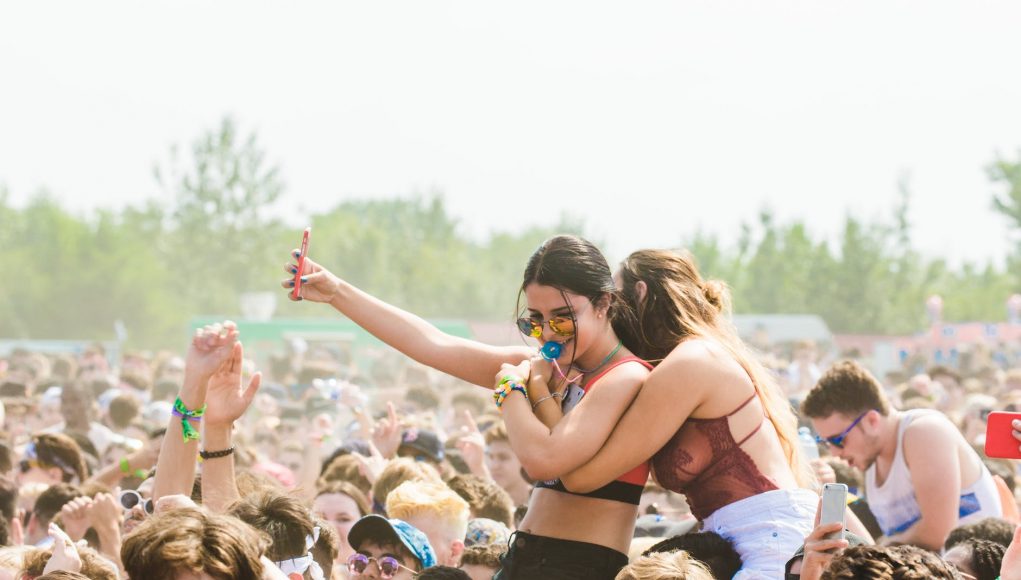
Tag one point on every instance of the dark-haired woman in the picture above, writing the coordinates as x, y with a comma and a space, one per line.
573, 307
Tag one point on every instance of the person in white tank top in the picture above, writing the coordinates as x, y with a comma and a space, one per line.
922, 479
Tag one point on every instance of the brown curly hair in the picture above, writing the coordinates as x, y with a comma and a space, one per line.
192, 539
888, 563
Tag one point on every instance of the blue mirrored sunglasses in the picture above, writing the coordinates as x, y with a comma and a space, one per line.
838, 440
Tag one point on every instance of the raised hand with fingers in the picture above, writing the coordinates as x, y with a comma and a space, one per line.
317, 283
107, 517
107, 513
76, 517
472, 445
227, 398
371, 466
209, 348
387, 434
65, 554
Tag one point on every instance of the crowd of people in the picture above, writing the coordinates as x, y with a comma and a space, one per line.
632, 435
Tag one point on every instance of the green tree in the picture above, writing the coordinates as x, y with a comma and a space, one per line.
222, 238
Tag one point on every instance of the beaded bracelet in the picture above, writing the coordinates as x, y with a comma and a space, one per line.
506, 389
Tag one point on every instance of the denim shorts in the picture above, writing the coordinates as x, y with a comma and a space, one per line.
765, 529
531, 557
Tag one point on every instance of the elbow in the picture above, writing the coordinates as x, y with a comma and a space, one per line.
538, 468
577, 485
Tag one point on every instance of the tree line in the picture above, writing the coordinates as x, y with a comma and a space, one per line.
213, 235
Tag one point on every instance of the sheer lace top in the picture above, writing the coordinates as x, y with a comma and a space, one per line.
704, 462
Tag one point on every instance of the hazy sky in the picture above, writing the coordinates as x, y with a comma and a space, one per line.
647, 119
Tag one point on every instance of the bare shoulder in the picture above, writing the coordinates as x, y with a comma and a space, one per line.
701, 360
928, 430
630, 373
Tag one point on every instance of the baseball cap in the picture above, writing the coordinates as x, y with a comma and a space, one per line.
374, 526
424, 442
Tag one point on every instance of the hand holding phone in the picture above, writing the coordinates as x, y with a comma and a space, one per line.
1000, 440
296, 293
834, 505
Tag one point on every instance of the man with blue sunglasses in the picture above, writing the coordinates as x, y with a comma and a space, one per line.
922, 479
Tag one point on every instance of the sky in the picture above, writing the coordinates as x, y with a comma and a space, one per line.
648, 121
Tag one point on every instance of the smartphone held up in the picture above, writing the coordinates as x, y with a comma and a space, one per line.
296, 292
834, 504
1000, 441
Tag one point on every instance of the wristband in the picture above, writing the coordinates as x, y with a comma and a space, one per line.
205, 455
189, 432
126, 469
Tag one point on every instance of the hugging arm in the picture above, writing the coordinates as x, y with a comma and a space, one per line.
547, 452
649, 423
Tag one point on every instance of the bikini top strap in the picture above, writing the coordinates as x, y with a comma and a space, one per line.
589, 384
742, 406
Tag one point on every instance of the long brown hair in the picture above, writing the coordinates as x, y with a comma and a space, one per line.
679, 304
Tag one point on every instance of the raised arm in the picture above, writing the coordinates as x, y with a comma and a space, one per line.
546, 453
175, 470
465, 359
227, 399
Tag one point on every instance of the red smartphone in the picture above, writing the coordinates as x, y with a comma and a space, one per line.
1000, 440
301, 264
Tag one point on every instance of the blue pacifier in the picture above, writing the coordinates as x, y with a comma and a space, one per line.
551, 351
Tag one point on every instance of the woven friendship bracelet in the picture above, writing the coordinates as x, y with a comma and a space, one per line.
189, 432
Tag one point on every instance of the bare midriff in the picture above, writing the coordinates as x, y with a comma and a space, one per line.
582, 519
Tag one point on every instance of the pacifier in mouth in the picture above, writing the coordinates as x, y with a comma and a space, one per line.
551, 351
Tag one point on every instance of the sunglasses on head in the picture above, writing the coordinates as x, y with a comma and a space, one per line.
388, 565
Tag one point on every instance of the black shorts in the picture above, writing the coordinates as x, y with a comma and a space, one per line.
531, 557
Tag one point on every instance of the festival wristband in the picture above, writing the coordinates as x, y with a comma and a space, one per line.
186, 415
126, 469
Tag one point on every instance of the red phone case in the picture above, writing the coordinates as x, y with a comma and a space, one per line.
301, 264
1000, 440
